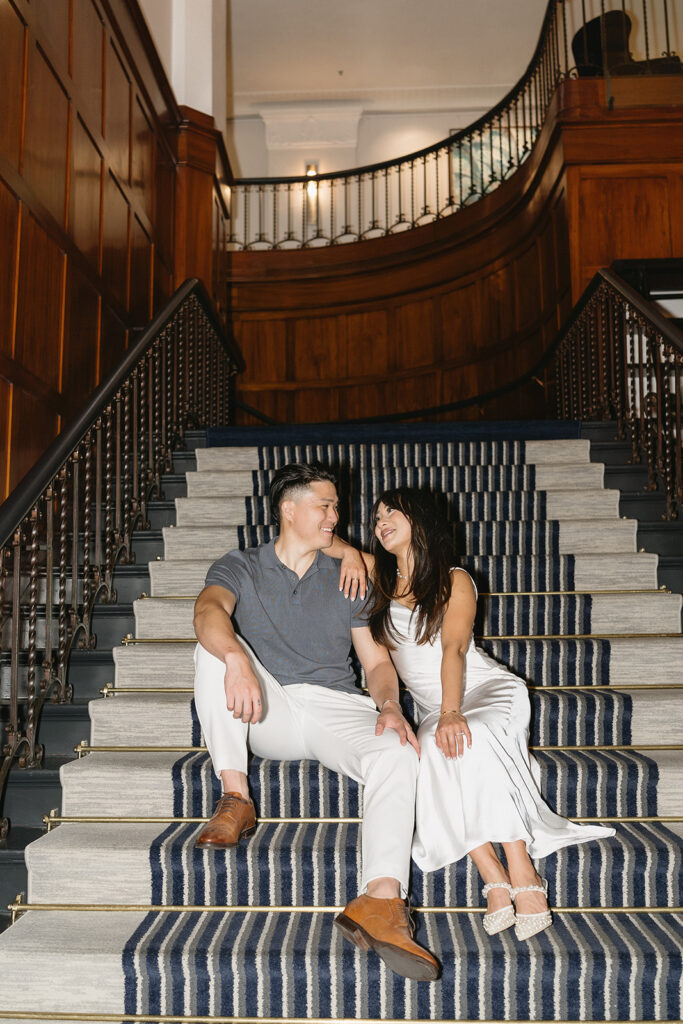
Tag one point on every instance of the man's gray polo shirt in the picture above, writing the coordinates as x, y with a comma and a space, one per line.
299, 629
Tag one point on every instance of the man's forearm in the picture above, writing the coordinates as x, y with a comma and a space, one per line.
215, 632
382, 684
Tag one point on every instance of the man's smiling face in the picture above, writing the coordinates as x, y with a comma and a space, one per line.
313, 515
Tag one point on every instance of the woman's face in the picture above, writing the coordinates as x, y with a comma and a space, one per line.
392, 529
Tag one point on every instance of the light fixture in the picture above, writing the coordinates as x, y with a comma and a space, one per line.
312, 194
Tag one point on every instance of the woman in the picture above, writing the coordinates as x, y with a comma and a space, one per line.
476, 784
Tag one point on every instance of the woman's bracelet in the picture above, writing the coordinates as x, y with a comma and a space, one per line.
450, 711
390, 700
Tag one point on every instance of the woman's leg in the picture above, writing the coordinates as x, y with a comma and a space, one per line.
491, 870
522, 872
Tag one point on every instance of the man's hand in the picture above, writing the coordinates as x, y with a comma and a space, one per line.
242, 690
453, 734
353, 577
391, 717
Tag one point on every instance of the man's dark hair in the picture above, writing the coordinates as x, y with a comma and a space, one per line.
292, 479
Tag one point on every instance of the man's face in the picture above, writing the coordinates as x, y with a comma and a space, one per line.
313, 516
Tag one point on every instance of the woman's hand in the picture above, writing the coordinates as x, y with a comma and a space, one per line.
452, 732
353, 579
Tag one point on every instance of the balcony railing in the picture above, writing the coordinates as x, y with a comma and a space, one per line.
70, 522
578, 38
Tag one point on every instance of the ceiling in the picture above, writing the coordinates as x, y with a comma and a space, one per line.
386, 54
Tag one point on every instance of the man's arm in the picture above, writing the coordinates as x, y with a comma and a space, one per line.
214, 629
382, 681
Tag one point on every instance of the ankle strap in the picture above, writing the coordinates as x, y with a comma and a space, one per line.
495, 885
543, 887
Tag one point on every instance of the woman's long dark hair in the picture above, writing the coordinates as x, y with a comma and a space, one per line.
433, 558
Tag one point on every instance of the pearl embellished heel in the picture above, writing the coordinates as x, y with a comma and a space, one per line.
527, 925
498, 920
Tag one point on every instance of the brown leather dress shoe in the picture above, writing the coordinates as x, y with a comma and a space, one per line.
385, 926
233, 819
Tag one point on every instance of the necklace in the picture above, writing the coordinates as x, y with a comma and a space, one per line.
401, 576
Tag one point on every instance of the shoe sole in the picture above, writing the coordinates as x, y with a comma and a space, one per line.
226, 846
408, 965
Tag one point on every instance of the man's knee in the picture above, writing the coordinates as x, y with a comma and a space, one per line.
399, 757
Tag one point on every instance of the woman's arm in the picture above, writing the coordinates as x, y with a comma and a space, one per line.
452, 732
355, 566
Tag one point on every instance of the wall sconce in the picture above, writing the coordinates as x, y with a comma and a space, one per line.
312, 195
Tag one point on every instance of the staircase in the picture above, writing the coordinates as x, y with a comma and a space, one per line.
127, 920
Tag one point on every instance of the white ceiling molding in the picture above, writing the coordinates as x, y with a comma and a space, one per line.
311, 125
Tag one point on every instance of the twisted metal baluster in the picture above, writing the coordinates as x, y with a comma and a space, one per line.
47, 677
61, 594
128, 510
34, 752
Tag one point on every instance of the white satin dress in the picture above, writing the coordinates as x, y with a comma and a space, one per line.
491, 794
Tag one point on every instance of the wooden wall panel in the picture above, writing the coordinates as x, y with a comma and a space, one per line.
113, 342
140, 274
85, 197
45, 144
5, 412
9, 223
88, 56
115, 248
142, 159
264, 347
117, 114
33, 420
319, 348
12, 36
40, 304
367, 343
53, 16
414, 334
81, 341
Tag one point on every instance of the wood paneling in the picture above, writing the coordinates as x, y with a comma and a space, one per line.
9, 219
12, 36
46, 138
32, 422
85, 193
464, 305
81, 341
88, 50
88, 220
115, 248
117, 114
39, 304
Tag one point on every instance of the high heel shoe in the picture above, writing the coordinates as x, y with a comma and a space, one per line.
527, 925
498, 920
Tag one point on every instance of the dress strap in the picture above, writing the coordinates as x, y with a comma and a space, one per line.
458, 568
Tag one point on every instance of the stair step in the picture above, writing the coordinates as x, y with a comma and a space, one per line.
467, 506
242, 483
576, 783
577, 537
559, 717
297, 965
494, 573
554, 452
599, 614
318, 864
564, 662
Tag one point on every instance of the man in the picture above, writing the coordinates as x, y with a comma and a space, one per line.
285, 688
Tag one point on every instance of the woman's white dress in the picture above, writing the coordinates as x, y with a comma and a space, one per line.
491, 794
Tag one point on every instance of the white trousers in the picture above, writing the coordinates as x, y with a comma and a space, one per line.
335, 728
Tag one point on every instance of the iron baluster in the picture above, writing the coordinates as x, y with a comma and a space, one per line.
276, 219
646, 32
668, 51
49, 585
87, 524
61, 595
75, 515
135, 450
143, 378
128, 505
98, 500
156, 455
33, 754
412, 193
386, 200
652, 417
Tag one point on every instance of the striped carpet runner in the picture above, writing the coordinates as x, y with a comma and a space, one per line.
138, 927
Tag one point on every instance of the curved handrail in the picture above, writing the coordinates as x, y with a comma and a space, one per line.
32, 485
373, 200
418, 154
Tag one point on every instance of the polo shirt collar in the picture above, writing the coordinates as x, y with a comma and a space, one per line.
269, 559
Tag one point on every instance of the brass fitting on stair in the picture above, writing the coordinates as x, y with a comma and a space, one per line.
82, 748
51, 820
16, 908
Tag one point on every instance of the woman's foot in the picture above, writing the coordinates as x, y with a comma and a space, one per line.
531, 906
500, 912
